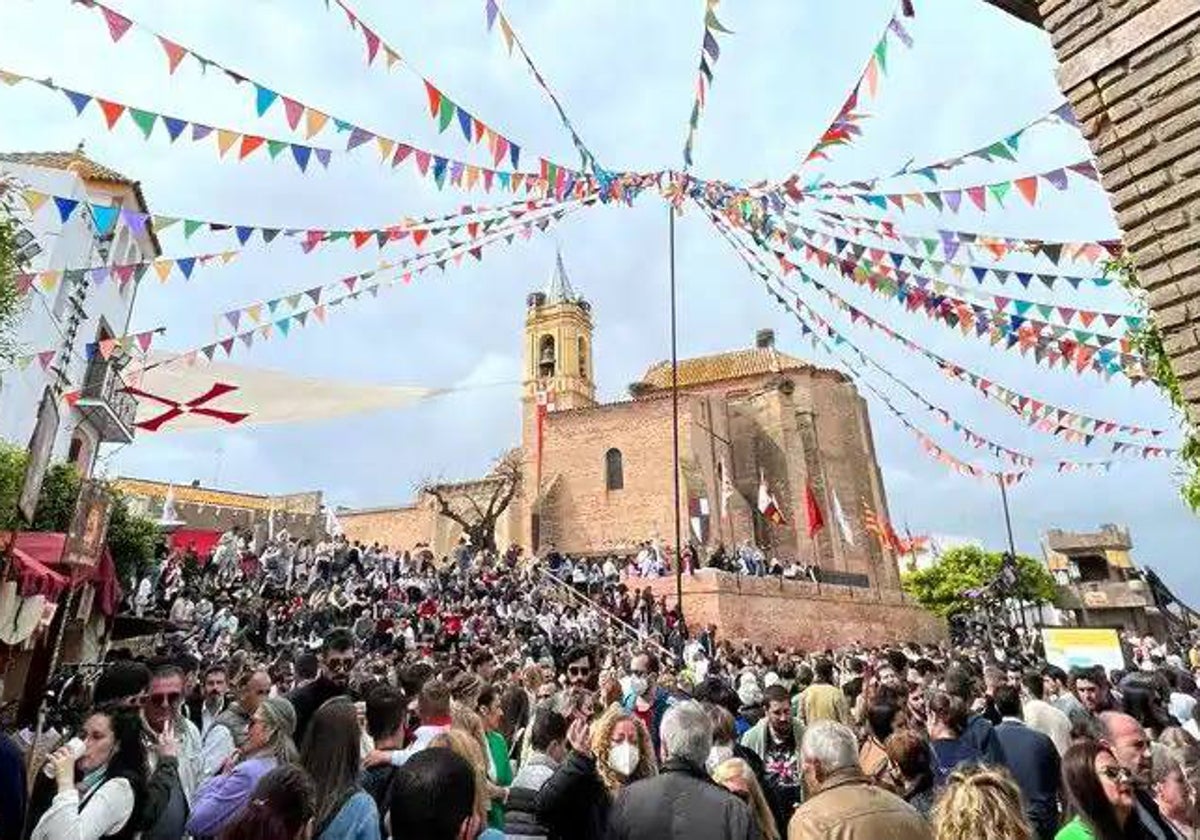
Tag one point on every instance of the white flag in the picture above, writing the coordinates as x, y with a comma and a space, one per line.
842, 521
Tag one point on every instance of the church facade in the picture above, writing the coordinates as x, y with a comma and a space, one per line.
598, 477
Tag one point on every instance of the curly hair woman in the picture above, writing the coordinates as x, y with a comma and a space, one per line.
980, 803
605, 756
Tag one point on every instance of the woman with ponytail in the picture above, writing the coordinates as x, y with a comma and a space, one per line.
281, 807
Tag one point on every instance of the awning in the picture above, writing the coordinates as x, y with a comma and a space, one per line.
39, 572
200, 541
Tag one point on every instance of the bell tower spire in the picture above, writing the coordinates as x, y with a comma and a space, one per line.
558, 344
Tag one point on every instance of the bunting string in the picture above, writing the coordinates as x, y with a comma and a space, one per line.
315, 120
496, 15
319, 309
106, 217
1006, 148
845, 127
443, 110
145, 121
928, 444
710, 51
105, 348
122, 273
1027, 187
255, 312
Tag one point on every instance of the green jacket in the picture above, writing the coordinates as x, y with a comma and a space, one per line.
755, 738
502, 775
1076, 829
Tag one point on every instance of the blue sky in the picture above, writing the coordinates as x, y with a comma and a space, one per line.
625, 71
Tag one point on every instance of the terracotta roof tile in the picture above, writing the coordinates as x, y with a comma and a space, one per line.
77, 162
703, 370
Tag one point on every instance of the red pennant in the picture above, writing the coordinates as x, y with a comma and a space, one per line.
112, 111
435, 99
249, 143
372, 44
118, 25
175, 53
1027, 187
978, 197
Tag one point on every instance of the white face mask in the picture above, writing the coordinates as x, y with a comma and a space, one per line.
624, 758
718, 754
638, 685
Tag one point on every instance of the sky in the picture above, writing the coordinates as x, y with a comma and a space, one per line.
625, 72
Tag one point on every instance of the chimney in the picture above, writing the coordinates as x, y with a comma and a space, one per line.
764, 339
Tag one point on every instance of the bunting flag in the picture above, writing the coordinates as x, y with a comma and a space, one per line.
146, 121
44, 359
975, 245
1006, 148
292, 302
470, 218
862, 361
710, 51
980, 196
504, 151
122, 273
698, 516
495, 15
266, 319
106, 347
885, 276
845, 126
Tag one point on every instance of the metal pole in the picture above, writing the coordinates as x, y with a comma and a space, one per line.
675, 423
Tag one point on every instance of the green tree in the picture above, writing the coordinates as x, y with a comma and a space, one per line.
12, 304
942, 588
1148, 341
131, 538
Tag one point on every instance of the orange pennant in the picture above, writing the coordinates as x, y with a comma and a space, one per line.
1027, 187
250, 142
225, 140
163, 269
314, 121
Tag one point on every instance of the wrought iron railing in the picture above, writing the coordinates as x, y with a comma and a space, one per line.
103, 382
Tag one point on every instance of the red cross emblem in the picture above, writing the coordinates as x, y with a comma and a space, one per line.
177, 409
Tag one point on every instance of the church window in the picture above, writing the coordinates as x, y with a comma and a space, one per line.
583, 365
546, 356
614, 470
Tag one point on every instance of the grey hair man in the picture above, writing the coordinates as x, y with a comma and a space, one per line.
842, 801
681, 801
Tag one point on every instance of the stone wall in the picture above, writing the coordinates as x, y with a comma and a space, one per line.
1131, 68
400, 528
811, 616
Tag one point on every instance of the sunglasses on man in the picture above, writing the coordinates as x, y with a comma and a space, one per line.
168, 698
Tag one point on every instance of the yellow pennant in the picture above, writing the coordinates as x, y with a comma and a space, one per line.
314, 121
163, 269
225, 140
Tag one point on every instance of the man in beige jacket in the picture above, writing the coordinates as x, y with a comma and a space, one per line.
842, 802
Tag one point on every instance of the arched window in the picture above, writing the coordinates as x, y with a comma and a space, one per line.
546, 356
583, 361
614, 470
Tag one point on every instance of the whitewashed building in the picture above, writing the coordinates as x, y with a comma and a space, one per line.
78, 310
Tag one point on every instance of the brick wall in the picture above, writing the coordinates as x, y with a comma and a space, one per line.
769, 611
1131, 68
400, 528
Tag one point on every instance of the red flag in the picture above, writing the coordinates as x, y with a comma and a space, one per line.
812, 512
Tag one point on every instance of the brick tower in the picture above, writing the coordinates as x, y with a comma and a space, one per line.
556, 375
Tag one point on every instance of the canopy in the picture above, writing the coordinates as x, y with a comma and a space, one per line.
201, 541
37, 556
254, 396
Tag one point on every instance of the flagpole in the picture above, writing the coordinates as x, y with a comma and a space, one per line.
675, 420
1012, 546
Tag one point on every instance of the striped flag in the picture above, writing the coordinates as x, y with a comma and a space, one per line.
767, 505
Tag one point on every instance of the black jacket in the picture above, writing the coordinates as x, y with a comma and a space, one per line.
520, 814
574, 802
311, 696
680, 803
1034, 763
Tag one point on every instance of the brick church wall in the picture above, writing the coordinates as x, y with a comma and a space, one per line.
810, 616
399, 528
1131, 68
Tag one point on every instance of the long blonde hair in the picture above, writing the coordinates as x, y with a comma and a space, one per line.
602, 731
980, 803
463, 744
735, 768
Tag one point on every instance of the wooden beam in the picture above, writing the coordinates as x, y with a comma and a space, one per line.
1026, 10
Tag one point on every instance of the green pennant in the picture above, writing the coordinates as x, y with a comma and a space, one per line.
335, 235
711, 22
931, 245
881, 54
446, 110
1083, 336
274, 147
1046, 310
161, 223
1000, 190
145, 120
1000, 149
190, 226
935, 199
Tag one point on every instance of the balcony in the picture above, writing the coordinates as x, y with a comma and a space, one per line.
104, 403
1111, 594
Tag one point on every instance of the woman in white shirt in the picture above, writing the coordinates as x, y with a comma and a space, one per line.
100, 794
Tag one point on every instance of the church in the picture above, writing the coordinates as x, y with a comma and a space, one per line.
597, 478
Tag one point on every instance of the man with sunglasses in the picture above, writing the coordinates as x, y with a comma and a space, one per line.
337, 662
174, 748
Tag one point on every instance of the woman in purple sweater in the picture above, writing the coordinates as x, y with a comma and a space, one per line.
268, 744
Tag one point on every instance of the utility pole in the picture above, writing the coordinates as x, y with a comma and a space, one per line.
675, 420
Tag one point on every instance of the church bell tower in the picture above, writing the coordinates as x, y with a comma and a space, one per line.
558, 347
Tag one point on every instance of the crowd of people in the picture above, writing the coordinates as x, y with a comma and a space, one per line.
334, 691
